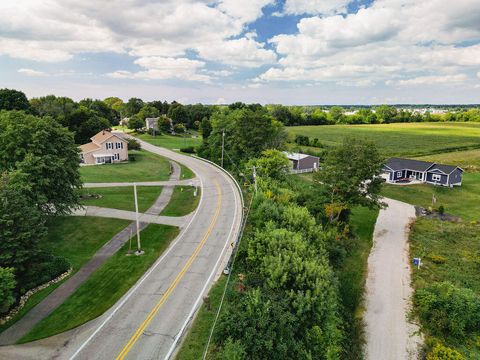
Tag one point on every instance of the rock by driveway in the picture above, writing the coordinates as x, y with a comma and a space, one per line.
388, 290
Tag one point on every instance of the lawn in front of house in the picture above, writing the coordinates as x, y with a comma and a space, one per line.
400, 139
142, 166
449, 252
106, 285
183, 201
76, 239
122, 198
173, 142
462, 201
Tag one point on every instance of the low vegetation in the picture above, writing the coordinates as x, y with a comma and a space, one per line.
460, 201
447, 286
468, 160
174, 142
183, 201
121, 198
143, 166
410, 140
106, 285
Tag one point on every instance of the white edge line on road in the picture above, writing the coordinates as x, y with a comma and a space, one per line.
144, 277
207, 283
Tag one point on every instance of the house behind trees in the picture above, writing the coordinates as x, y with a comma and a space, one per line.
303, 162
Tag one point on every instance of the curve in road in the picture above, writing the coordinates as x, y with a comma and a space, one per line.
147, 322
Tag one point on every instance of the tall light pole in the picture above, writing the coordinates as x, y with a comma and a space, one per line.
223, 144
139, 246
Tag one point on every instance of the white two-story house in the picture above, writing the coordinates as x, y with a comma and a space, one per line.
105, 148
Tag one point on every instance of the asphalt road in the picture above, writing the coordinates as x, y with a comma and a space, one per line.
147, 322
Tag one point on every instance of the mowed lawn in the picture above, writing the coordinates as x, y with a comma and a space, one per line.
172, 142
401, 139
462, 201
449, 252
76, 239
122, 198
106, 285
145, 167
183, 201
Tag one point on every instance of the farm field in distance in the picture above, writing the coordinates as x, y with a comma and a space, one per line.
400, 139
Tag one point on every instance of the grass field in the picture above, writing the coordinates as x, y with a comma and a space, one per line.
122, 198
468, 160
462, 201
146, 167
106, 285
459, 246
407, 139
77, 239
183, 201
172, 142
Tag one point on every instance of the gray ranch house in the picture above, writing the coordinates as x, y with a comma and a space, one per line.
402, 170
303, 162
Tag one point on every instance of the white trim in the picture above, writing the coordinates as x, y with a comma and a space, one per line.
436, 177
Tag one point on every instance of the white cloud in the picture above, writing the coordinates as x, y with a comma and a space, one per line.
478, 74
299, 7
160, 68
431, 80
31, 72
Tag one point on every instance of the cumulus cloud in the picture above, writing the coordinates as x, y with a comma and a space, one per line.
299, 7
31, 72
431, 80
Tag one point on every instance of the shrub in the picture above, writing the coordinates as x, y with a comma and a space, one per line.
441, 210
233, 350
447, 310
188, 150
133, 144
47, 267
302, 140
153, 132
7, 285
441, 352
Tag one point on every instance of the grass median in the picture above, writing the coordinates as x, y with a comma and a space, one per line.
106, 285
183, 201
122, 198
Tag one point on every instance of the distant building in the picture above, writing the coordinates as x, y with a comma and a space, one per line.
303, 162
105, 148
400, 170
152, 123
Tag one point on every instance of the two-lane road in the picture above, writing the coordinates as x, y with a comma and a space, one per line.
147, 321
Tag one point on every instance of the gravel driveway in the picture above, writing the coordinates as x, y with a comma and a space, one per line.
389, 335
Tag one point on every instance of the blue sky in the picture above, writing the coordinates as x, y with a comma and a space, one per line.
267, 51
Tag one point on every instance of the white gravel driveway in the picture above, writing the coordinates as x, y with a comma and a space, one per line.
389, 335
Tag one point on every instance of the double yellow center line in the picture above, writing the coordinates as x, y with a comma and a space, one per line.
175, 282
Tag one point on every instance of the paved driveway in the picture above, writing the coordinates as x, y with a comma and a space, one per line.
389, 335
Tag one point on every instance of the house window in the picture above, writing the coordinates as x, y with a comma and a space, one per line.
109, 145
436, 177
399, 173
118, 145
116, 157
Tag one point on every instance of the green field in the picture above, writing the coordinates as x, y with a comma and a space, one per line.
405, 139
468, 160
462, 201
77, 239
106, 285
146, 167
122, 198
172, 142
183, 201
450, 252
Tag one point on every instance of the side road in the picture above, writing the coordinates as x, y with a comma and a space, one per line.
59, 295
149, 320
390, 336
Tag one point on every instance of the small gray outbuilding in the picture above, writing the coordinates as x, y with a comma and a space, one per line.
303, 162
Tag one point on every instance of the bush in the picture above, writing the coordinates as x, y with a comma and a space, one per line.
302, 140
188, 150
47, 267
153, 132
447, 310
441, 352
133, 144
7, 285
441, 210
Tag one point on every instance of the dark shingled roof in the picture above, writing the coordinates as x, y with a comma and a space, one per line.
401, 164
397, 164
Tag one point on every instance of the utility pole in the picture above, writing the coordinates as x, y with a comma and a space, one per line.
223, 144
255, 178
139, 247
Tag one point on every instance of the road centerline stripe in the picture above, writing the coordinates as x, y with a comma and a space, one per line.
175, 282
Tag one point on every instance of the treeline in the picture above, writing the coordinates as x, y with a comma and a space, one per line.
39, 177
283, 301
